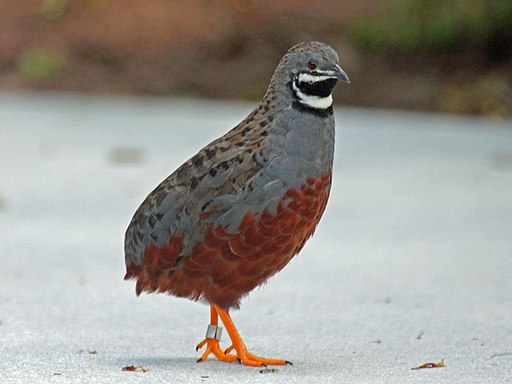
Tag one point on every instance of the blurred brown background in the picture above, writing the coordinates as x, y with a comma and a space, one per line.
453, 56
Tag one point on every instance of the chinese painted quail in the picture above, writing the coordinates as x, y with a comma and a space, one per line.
237, 212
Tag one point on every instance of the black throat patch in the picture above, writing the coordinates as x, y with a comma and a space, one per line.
321, 88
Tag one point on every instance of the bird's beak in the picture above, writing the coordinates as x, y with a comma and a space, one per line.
340, 74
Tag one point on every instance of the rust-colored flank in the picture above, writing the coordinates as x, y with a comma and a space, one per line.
225, 266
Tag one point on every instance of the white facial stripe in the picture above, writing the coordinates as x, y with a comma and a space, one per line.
312, 101
328, 72
309, 78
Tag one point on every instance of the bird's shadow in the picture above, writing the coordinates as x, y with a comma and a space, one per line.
156, 361
176, 363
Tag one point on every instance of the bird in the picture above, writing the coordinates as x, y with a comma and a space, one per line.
240, 209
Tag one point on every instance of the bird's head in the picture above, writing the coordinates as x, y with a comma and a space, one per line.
311, 70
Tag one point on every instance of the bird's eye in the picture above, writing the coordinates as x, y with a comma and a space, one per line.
311, 64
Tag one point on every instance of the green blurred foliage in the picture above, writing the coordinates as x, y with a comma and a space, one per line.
438, 26
40, 64
56, 9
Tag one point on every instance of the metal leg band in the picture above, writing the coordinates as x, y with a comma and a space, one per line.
213, 332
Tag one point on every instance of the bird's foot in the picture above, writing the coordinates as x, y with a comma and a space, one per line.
247, 358
213, 347
212, 339
243, 355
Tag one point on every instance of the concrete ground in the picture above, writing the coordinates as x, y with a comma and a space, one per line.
412, 262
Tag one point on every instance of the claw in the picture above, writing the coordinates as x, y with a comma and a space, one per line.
201, 345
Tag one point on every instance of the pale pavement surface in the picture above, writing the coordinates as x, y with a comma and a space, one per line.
412, 262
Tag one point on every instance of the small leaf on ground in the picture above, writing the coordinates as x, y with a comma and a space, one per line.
429, 365
133, 368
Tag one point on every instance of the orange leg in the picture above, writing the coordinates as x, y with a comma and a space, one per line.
212, 342
242, 355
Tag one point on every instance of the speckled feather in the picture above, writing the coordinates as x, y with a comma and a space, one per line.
239, 210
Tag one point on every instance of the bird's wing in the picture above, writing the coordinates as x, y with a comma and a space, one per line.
202, 191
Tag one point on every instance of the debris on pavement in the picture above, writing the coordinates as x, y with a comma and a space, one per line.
133, 368
430, 365
269, 370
